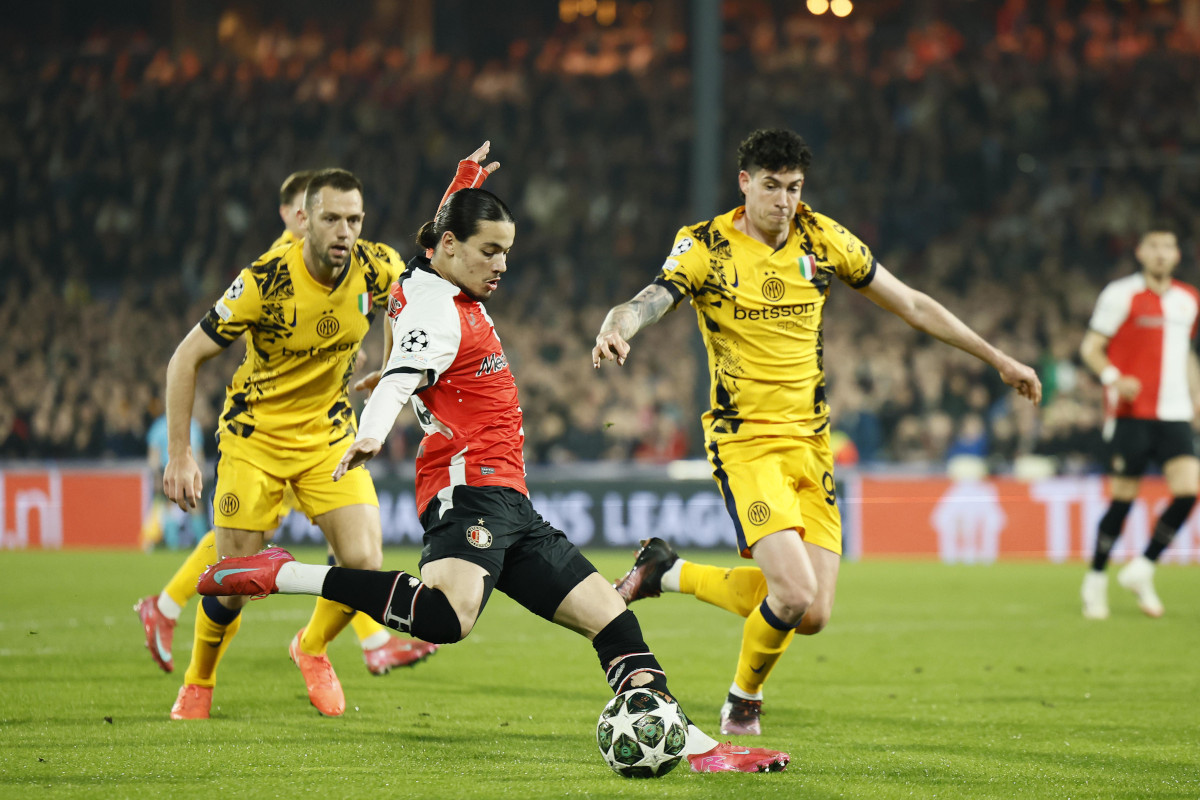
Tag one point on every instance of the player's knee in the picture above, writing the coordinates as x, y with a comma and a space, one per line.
465, 625
793, 602
813, 621
435, 620
361, 557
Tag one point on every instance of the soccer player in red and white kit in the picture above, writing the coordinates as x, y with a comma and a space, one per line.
481, 530
1139, 342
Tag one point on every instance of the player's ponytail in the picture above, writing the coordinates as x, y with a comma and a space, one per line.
461, 214
426, 237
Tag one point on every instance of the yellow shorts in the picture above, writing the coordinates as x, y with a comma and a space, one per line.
252, 482
772, 483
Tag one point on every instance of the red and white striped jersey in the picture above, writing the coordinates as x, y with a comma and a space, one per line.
468, 407
1150, 337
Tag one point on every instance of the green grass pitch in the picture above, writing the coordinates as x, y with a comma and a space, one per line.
932, 681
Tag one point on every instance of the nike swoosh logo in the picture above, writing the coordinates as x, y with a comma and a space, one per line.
739, 752
735, 277
293, 316
221, 574
163, 652
755, 670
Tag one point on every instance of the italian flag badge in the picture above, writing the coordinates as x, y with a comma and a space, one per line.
364, 303
808, 266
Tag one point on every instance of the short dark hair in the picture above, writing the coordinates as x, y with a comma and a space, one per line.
461, 214
338, 179
1160, 225
294, 185
775, 150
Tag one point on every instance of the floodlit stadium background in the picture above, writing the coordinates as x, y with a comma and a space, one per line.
1002, 156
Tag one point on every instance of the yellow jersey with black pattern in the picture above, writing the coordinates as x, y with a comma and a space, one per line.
761, 313
292, 388
284, 240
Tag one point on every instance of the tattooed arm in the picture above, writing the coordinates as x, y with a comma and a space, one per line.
625, 320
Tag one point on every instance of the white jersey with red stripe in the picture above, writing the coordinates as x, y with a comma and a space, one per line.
468, 408
1150, 337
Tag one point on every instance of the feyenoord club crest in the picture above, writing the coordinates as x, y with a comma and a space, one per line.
479, 536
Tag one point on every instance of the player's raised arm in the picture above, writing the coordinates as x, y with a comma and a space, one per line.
182, 483
624, 321
471, 172
926, 314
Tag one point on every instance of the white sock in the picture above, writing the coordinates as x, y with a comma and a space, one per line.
376, 639
670, 578
297, 578
698, 741
168, 607
736, 692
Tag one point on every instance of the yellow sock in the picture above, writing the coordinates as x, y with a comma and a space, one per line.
762, 645
182, 587
208, 646
328, 620
739, 590
152, 528
365, 627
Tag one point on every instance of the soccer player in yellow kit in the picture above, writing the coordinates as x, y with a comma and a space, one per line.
305, 309
758, 277
159, 613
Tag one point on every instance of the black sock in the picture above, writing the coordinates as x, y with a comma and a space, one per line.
625, 658
1109, 529
395, 599
1169, 523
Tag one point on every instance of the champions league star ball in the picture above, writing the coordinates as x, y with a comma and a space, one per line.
642, 734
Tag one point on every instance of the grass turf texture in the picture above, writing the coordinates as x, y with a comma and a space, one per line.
932, 681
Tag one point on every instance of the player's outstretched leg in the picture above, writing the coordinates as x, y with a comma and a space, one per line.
644, 579
657, 568
396, 599
383, 652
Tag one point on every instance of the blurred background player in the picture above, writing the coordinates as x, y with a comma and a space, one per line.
158, 613
286, 410
758, 277
481, 530
1139, 342
166, 522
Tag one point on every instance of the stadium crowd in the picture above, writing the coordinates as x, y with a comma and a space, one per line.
1005, 163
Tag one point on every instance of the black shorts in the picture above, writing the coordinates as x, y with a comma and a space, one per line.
497, 528
1137, 442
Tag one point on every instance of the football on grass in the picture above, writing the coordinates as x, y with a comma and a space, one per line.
642, 734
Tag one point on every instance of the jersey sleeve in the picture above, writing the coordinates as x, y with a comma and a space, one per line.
684, 271
425, 337
469, 175
1112, 307
850, 258
235, 312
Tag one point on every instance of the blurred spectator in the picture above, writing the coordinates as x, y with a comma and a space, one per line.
1005, 162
